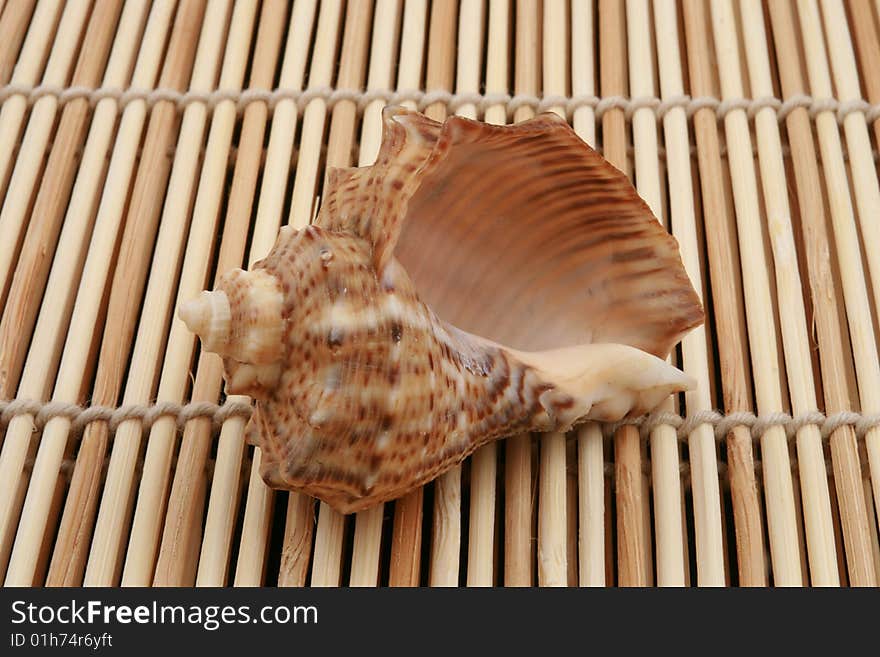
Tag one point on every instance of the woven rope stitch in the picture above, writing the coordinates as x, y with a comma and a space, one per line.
331, 96
41, 412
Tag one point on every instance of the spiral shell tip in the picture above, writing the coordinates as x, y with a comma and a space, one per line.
208, 317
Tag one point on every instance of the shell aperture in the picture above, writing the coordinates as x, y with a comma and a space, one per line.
477, 281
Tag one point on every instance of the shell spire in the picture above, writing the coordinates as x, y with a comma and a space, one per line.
241, 321
477, 281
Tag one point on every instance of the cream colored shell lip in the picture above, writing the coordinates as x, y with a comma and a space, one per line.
477, 281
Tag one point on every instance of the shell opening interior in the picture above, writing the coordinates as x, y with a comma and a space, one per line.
527, 237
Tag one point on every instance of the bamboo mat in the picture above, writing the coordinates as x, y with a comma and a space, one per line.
146, 146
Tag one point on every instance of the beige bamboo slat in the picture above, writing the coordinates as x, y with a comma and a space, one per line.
258, 505
31, 153
107, 551
633, 545
366, 551
668, 523
484, 464
863, 173
877, 8
440, 67
858, 142
872, 531
300, 508
446, 519
701, 442
14, 22
867, 38
763, 347
867, 42
50, 327
518, 487
838, 535
723, 254
330, 534
855, 288
71, 543
552, 499
446, 537
833, 340
855, 515
796, 347
128, 283
155, 473
220, 520
591, 465
406, 532
180, 537
45, 219
33, 267
27, 71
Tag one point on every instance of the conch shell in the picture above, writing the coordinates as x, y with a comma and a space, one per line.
476, 282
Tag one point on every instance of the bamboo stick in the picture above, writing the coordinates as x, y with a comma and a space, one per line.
27, 71
781, 515
552, 507
327, 564
183, 515
632, 543
484, 467
406, 536
107, 543
518, 544
44, 221
154, 480
701, 442
128, 280
868, 45
72, 541
728, 305
368, 524
31, 154
863, 173
219, 525
75, 366
258, 504
446, 526
872, 528
868, 48
862, 170
33, 266
591, 465
796, 347
664, 440
13, 25
855, 289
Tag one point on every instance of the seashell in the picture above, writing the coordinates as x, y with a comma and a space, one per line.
477, 281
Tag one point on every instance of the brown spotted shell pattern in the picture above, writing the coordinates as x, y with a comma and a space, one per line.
476, 282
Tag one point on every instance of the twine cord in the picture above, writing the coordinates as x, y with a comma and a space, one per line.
454, 101
758, 425
79, 416
40, 413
